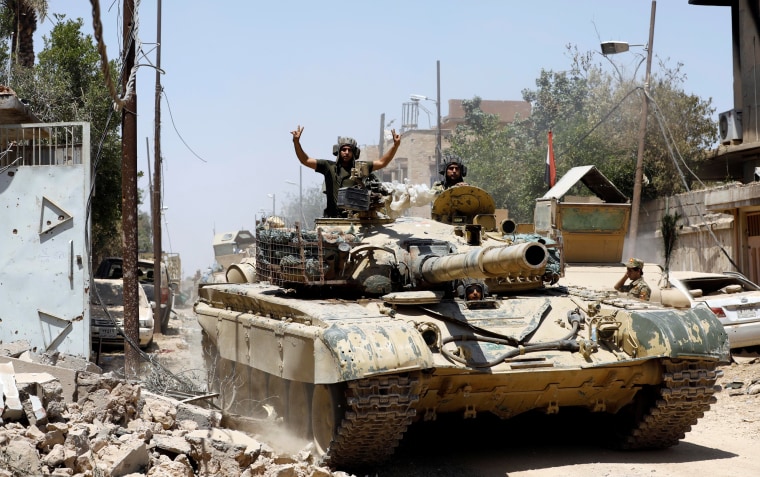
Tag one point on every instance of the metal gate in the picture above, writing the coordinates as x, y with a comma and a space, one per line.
44, 261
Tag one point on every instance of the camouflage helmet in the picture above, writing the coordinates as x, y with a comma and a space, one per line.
468, 285
450, 158
635, 263
346, 141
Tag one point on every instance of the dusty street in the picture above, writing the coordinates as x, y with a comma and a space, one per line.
179, 350
724, 442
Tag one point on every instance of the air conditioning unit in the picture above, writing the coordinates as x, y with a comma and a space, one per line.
730, 126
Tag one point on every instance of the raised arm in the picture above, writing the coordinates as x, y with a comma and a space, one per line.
386, 159
620, 283
302, 156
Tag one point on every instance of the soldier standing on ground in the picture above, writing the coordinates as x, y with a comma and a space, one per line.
638, 288
337, 173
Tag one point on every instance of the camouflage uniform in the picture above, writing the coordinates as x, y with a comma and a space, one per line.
446, 182
638, 289
441, 186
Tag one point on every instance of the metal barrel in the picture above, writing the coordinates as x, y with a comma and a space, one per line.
513, 261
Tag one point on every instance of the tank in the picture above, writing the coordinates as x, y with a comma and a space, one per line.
364, 326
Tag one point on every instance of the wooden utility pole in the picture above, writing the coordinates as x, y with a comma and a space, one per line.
156, 202
639, 173
129, 197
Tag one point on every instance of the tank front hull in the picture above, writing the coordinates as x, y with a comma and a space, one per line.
380, 368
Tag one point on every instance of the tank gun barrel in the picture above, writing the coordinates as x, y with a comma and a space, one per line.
514, 261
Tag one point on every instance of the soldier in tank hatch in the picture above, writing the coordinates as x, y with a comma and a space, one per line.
337, 173
453, 172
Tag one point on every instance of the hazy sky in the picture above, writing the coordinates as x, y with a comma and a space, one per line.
240, 75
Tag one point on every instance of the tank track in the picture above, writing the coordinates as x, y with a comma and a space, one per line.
379, 412
686, 393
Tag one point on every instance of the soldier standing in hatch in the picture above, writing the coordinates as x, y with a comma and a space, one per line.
338, 172
453, 173
638, 288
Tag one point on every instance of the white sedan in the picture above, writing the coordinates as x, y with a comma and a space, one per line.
734, 299
107, 313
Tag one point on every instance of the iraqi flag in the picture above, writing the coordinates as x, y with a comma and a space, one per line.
550, 173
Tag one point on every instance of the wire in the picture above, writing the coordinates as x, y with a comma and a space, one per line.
669, 142
171, 116
599, 123
97, 26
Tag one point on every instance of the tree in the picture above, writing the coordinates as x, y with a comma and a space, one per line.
68, 85
594, 118
313, 206
20, 21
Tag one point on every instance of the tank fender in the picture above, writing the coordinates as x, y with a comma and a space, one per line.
362, 350
677, 334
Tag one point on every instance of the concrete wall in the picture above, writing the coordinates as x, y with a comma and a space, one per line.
705, 242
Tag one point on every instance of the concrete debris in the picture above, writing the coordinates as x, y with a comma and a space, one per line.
111, 427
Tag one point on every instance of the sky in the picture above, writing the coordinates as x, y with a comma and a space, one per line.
238, 79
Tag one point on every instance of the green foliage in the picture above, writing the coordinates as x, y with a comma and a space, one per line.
144, 232
595, 119
67, 85
313, 206
669, 230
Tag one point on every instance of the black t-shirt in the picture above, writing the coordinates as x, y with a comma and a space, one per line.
336, 176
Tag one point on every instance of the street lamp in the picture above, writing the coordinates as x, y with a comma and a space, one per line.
272, 196
437, 101
612, 47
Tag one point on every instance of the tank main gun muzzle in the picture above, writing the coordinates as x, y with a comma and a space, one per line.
526, 260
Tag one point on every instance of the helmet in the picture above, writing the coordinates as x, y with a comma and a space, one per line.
467, 286
346, 141
450, 158
635, 263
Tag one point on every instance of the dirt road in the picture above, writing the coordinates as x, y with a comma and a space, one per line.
726, 442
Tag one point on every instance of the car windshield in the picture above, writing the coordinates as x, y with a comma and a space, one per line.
111, 293
719, 285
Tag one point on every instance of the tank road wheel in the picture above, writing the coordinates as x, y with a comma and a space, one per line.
210, 358
225, 374
299, 409
327, 410
659, 417
258, 384
277, 390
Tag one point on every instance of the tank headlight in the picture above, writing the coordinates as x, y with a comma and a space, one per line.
430, 333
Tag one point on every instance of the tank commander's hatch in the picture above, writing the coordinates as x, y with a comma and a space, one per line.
593, 228
460, 204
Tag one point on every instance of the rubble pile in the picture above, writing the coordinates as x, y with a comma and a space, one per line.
112, 427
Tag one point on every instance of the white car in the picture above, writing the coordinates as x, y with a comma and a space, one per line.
107, 298
733, 298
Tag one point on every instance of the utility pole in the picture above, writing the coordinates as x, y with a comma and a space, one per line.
156, 202
638, 177
438, 106
129, 198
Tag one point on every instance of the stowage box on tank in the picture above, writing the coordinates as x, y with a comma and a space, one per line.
355, 330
